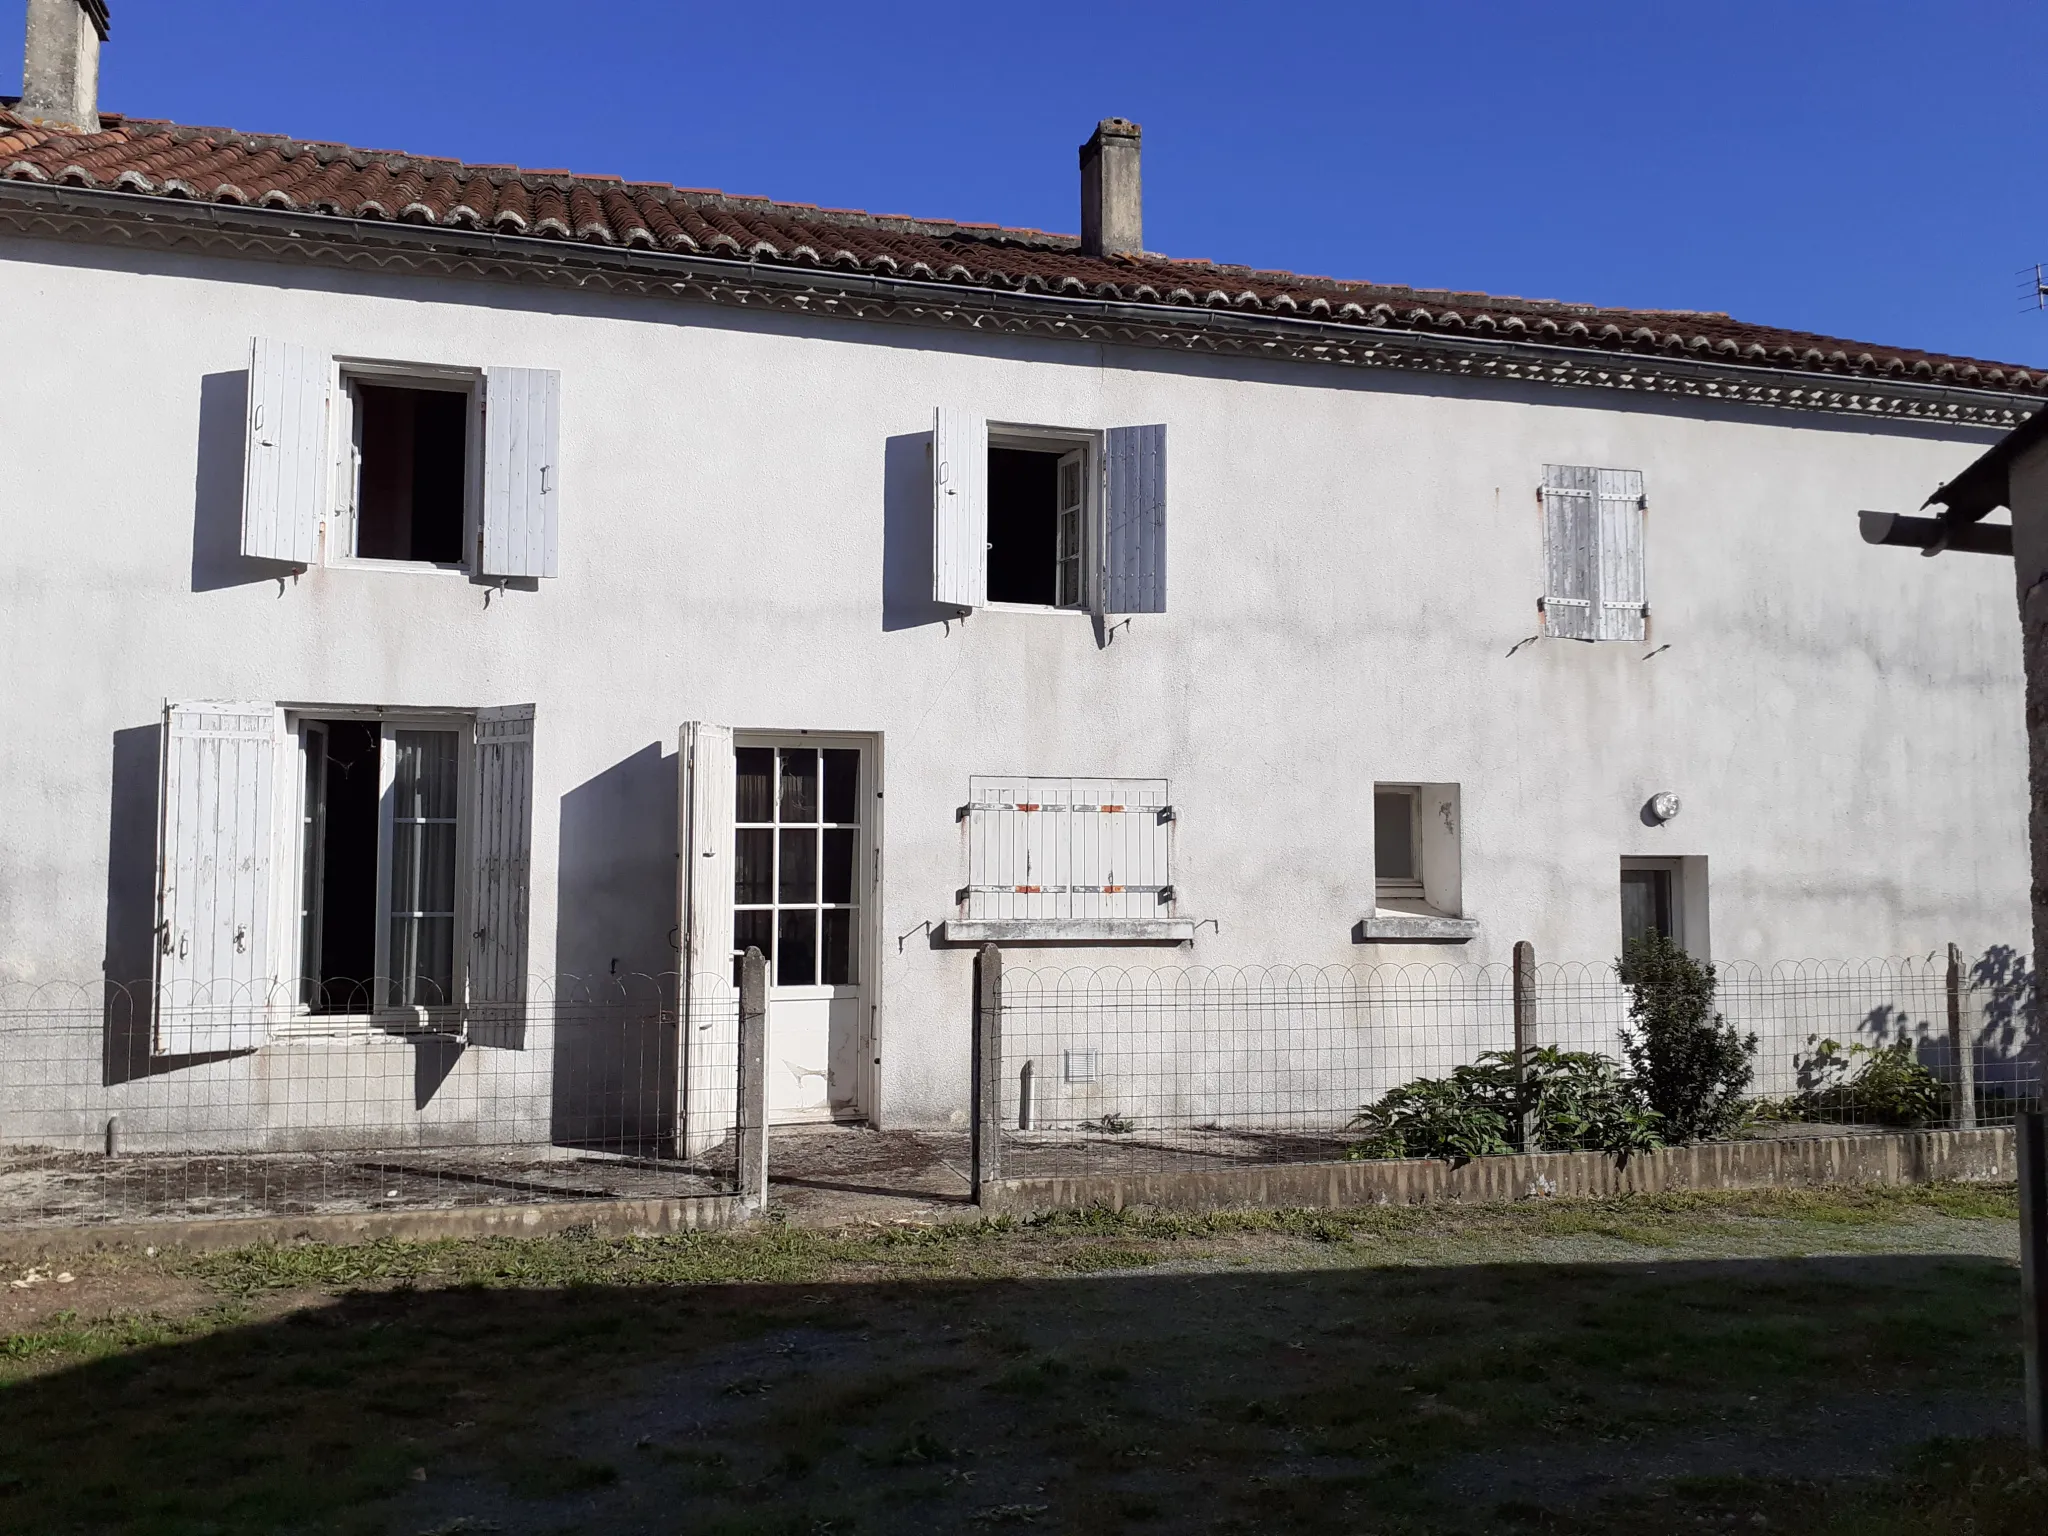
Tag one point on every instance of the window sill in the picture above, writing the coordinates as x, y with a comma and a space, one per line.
407, 567
1077, 613
1414, 928
1068, 930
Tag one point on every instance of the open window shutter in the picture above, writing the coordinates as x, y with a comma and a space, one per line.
500, 874
284, 462
1622, 593
522, 474
710, 1005
215, 961
959, 508
1571, 548
1134, 519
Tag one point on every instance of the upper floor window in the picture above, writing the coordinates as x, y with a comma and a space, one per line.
350, 460
1594, 585
1048, 517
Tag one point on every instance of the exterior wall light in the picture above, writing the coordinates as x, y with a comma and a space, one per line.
1663, 805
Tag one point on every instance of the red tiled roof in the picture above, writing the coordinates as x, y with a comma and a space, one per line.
219, 166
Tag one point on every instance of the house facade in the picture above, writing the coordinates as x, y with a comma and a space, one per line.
433, 592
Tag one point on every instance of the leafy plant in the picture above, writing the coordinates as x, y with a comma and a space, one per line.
1571, 1101
1690, 1064
1112, 1123
1890, 1088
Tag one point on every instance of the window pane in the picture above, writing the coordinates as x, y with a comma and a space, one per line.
799, 880
839, 863
838, 947
1393, 836
796, 960
422, 961
754, 865
753, 799
425, 779
312, 851
799, 784
842, 785
1645, 905
752, 930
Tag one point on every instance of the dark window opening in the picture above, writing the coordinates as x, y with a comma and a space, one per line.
1646, 906
413, 447
1393, 836
1036, 502
339, 912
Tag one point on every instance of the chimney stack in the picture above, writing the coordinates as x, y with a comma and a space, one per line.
1112, 199
60, 73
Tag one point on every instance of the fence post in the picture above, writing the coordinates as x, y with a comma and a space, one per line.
753, 1105
1525, 1028
988, 1069
1960, 1043
2032, 1138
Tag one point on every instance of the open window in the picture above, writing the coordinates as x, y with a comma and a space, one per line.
1048, 517
399, 465
1418, 865
1668, 897
341, 862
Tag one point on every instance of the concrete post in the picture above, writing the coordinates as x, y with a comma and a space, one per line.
2033, 1156
988, 1069
753, 1105
1962, 1043
1525, 1029
1112, 195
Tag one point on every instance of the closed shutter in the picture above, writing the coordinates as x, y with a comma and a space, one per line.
1571, 546
501, 869
710, 1004
959, 508
216, 982
1068, 848
522, 472
1134, 517
1622, 588
284, 461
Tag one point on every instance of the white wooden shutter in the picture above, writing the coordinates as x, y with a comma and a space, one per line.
1622, 588
500, 875
959, 508
1571, 546
284, 461
710, 1004
1069, 848
522, 472
216, 982
1134, 518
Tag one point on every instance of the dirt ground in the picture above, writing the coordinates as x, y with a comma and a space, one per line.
1839, 1361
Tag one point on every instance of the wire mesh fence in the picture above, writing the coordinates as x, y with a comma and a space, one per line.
1150, 1069
117, 1103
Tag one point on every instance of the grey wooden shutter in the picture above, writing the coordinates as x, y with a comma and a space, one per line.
522, 472
216, 986
1622, 587
1134, 520
959, 508
500, 875
710, 1006
284, 460
1571, 549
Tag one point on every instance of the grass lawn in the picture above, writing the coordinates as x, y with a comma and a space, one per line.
1824, 1362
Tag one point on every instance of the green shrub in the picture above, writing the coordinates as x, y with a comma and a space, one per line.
1690, 1065
1575, 1101
1890, 1088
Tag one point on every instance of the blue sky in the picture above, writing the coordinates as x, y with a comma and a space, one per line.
1871, 170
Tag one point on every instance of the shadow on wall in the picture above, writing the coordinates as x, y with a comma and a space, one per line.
907, 535
130, 958
616, 947
217, 558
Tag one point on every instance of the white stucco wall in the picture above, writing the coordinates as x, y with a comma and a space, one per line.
744, 539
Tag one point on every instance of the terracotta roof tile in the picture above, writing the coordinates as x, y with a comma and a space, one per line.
217, 165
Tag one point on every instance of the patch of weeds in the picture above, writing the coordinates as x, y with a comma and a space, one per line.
1009, 1514
1033, 1380
920, 1450
550, 1477
1096, 1257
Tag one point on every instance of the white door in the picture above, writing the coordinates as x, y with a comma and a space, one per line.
798, 873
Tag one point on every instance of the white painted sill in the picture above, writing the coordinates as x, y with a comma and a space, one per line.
1078, 613
1068, 930
1415, 928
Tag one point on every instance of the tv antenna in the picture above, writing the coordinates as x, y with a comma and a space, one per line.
2034, 286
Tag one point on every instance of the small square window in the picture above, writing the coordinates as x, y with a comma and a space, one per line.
1037, 522
1416, 859
407, 474
1396, 861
